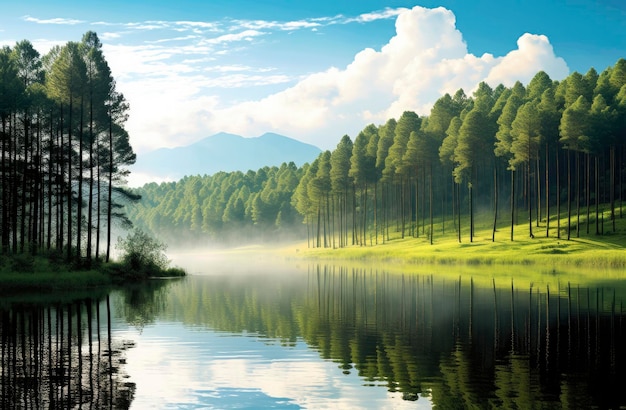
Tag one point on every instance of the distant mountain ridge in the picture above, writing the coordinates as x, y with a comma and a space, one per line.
224, 152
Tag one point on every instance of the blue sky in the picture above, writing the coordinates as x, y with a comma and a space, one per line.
315, 71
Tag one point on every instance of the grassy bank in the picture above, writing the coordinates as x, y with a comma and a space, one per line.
52, 281
48, 273
606, 251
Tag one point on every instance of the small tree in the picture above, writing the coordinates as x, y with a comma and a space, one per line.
142, 254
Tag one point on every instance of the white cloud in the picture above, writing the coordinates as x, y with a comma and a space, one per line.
532, 51
177, 98
425, 59
109, 36
197, 24
44, 45
175, 39
59, 21
377, 15
245, 35
276, 25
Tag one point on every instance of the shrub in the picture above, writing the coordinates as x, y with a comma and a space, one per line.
142, 255
23, 263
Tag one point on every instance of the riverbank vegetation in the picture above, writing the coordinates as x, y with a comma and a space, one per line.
545, 253
141, 257
65, 151
537, 168
64, 160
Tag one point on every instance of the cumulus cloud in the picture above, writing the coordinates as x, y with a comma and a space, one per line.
427, 58
532, 51
177, 97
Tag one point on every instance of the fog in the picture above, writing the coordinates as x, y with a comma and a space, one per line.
257, 259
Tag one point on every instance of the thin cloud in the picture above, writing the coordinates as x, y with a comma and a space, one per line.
385, 14
148, 25
197, 24
174, 39
110, 36
275, 25
228, 68
246, 35
246, 80
58, 20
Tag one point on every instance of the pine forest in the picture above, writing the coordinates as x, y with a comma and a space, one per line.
549, 155
64, 151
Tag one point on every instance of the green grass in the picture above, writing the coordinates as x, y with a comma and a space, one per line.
52, 281
49, 273
589, 251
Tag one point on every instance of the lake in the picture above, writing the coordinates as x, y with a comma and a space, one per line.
246, 334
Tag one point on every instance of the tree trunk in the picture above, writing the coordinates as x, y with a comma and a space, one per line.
458, 214
612, 182
471, 212
587, 187
5, 196
558, 195
69, 182
577, 194
530, 198
99, 201
110, 189
24, 172
495, 203
416, 229
597, 178
90, 198
453, 186
319, 224
376, 212
402, 204
538, 194
569, 194
51, 166
79, 223
430, 200
512, 203
547, 192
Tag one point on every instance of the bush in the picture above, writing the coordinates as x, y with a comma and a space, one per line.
23, 263
142, 255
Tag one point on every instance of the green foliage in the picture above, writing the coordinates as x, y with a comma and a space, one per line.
395, 176
525, 132
217, 207
141, 255
64, 151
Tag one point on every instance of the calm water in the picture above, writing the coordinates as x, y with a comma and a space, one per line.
317, 336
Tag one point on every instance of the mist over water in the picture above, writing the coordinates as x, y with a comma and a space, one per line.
249, 329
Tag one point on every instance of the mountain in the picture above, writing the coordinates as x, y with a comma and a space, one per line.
224, 152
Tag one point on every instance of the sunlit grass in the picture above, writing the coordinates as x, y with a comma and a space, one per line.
532, 260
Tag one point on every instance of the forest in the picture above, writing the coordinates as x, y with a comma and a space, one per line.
64, 151
549, 154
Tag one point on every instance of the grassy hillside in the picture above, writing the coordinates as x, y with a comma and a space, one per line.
607, 250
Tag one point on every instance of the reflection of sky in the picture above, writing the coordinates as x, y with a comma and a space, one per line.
176, 367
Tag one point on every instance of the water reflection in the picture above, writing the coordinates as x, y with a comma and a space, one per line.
456, 342
322, 338
61, 356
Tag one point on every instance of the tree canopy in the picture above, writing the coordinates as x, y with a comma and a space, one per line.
64, 153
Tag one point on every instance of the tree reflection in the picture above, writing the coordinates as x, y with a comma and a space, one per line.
61, 356
462, 344
140, 304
